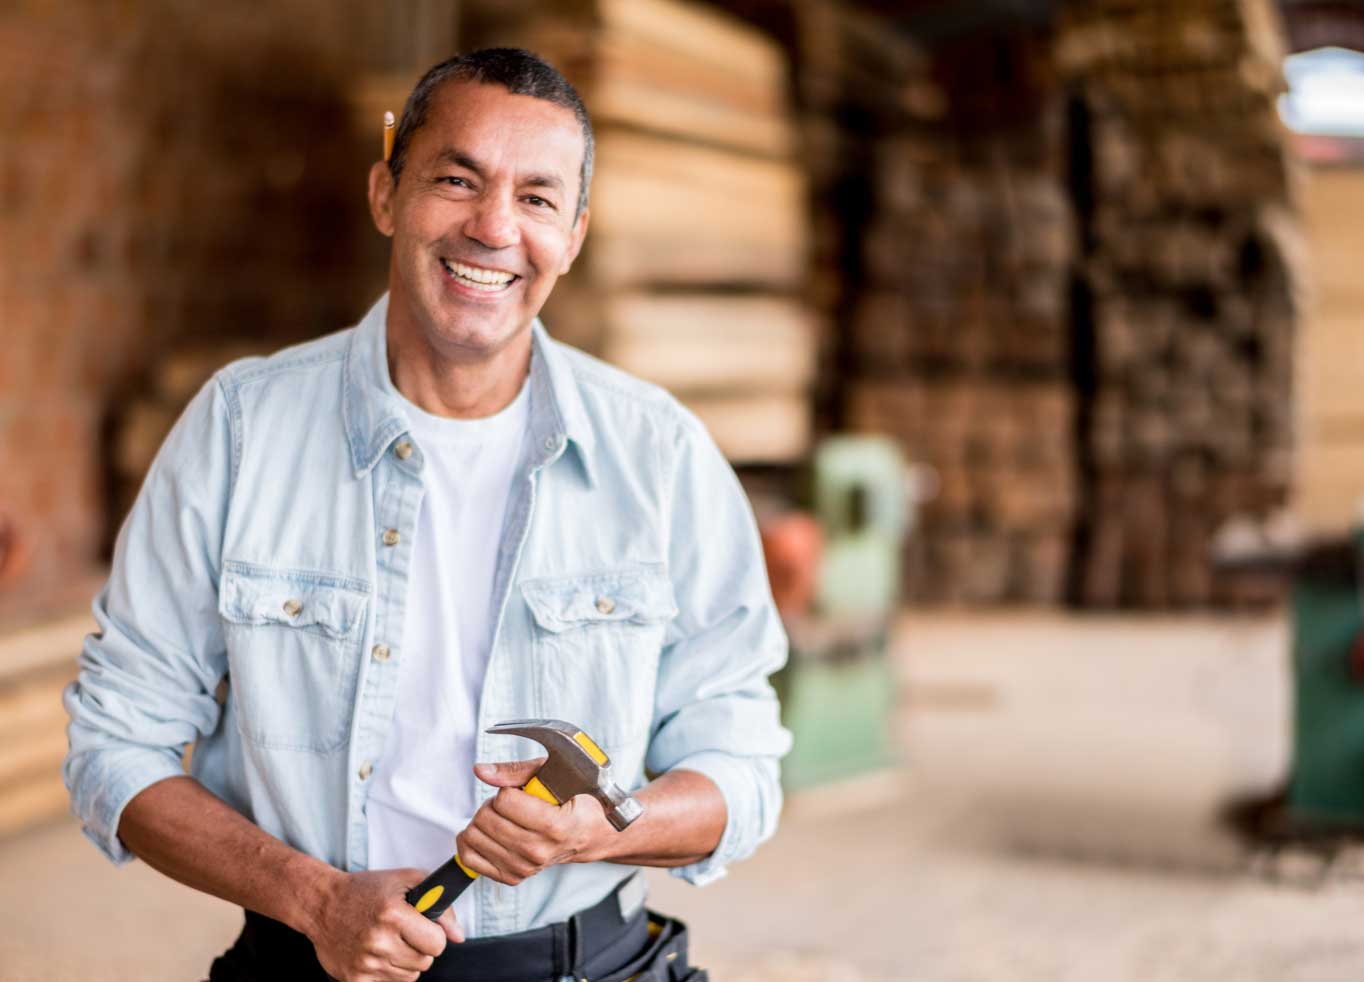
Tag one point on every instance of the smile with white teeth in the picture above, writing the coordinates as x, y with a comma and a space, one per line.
477, 278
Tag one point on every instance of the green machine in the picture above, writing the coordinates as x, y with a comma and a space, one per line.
1326, 789
838, 689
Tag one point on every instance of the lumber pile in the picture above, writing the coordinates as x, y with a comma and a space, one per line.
949, 264
858, 85
998, 527
1187, 308
960, 348
696, 256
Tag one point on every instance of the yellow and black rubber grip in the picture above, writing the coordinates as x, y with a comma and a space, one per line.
439, 890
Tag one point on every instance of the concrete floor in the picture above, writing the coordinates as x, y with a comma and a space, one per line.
1053, 820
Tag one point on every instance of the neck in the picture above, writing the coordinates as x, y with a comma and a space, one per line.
460, 388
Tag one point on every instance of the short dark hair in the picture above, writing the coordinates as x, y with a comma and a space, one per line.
520, 72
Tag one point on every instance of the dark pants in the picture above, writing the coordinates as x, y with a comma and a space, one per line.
647, 948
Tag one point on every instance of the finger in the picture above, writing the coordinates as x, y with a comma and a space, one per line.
525, 810
396, 973
510, 773
421, 938
491, 858
540, 844
405, 962
450, 923
382, 965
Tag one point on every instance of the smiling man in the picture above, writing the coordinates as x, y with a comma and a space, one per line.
351, 558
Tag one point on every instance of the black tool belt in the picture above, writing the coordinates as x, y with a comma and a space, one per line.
597, 944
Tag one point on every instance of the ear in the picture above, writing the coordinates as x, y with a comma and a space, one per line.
576, 242
381, 190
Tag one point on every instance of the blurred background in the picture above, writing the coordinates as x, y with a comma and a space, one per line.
1033, 328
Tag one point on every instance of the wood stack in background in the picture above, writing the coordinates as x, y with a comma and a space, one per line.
945, 254
1186, 309
856, 81
696, 254
964, 330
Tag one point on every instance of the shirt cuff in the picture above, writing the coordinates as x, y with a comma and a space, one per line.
109, 782
741, 783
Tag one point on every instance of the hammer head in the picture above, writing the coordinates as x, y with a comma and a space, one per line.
576, 765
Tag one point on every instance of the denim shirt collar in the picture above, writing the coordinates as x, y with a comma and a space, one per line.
375, 413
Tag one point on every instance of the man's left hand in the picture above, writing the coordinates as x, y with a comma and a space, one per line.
515, 835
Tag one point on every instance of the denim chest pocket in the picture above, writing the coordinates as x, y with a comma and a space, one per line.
597, 642
293, 648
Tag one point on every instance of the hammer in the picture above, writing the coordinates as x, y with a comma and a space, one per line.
576, 765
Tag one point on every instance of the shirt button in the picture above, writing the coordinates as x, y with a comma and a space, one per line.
605, 605
366, 769
292, 607
391, 537
403, 450
551, 443
380, 652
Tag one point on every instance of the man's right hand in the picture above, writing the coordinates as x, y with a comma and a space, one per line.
364, 930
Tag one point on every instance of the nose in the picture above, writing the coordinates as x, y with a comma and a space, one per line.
492, 223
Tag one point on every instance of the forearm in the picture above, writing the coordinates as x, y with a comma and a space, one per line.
179, 827
684, 818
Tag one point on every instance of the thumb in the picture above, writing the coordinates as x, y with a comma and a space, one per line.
450, 923
508, 774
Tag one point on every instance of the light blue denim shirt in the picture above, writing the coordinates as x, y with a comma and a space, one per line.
272, 544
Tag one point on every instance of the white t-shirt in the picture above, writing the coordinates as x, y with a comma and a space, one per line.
423, 791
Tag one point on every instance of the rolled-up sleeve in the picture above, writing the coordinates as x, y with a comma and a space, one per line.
147, 677
715, 711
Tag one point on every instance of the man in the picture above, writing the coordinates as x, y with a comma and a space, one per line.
385, 541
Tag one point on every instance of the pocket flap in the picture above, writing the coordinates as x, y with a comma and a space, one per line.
639, 595
252, 595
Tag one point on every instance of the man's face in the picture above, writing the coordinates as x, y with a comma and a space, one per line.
482, 219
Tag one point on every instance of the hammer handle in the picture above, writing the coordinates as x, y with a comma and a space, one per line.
439, 890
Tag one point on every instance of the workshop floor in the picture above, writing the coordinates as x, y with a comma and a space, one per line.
1054, 820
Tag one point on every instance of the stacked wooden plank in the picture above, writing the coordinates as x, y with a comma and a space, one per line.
1187, 308
966, 320
858, 83
998, 527
1329, 493
696, 255
950, 259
